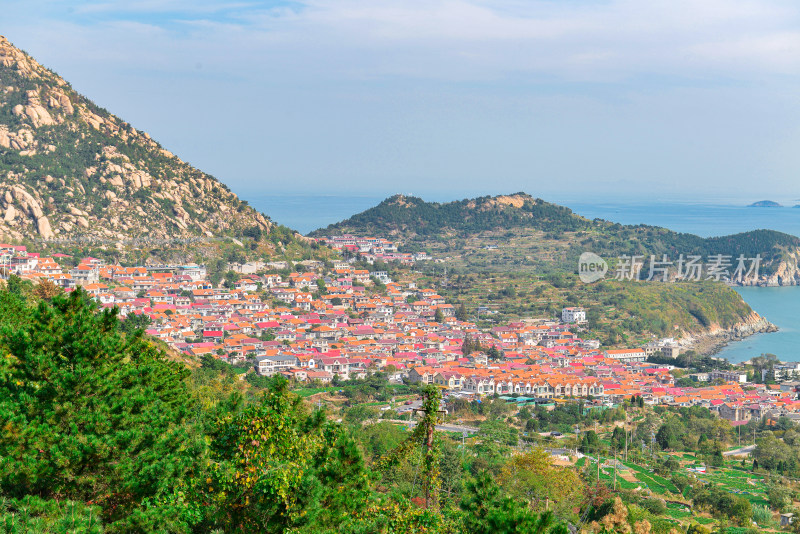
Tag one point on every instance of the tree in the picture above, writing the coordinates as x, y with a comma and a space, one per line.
321, 287
359, 414
461, 313
740, 511
590, 442
494, 353
670, 433
438, 316
779, 497
276, 467
17, 286
488, 511
468, 346
532, 478
91, 415
770, 452
135, 322
46, 290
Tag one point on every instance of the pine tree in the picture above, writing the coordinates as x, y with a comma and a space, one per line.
92, 415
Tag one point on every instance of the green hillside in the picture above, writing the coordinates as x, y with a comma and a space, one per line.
525, 232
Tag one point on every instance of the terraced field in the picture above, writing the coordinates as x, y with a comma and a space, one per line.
731, 477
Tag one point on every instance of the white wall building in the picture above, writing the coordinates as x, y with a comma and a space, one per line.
573, 315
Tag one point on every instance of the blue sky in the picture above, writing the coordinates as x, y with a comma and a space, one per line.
673, 99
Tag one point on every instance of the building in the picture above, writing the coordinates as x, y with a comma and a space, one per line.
573, 315
734, 412
627, 355
670, 350
728, 376
269, 365
786, 371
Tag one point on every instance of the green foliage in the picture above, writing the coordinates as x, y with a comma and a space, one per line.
719, 501
779, 497
771, 452
427, 224
488, 511
432, 218
32, 514
589, 442
100, 432
89, 414
276, 467
135, 323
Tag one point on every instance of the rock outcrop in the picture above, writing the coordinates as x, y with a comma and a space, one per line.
72, 171
711, 340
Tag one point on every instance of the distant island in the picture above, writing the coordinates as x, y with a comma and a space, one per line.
765, 204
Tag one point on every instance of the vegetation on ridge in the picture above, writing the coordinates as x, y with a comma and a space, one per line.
525, 233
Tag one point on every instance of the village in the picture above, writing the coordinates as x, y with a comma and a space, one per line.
325, 325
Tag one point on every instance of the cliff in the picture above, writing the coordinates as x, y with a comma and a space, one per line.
714, 338
71, 171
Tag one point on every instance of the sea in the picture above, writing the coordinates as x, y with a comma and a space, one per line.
780, 305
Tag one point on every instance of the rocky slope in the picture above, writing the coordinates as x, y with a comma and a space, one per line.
71, 171
785, 273
711, 340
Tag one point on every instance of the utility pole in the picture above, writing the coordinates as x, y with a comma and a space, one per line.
626, 444
598, 465
652, 443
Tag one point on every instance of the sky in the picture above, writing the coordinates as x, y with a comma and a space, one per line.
627, 99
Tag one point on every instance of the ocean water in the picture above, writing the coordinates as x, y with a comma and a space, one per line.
779, 305
703, 219
306, 213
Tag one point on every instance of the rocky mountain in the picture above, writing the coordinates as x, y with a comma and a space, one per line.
520, 232
69, 170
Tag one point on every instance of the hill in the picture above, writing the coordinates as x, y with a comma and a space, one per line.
412, 217
519, 232
72, 172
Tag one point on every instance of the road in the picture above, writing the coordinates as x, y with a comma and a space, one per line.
405, 408
744, 450
440, 428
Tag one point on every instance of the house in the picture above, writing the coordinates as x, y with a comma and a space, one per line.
728, 376
85, 274
479, 385
573, 315
734, 412
627, 355
269, 365
421, 375
448, 379
323, 376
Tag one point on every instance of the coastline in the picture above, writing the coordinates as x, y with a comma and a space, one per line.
715, 339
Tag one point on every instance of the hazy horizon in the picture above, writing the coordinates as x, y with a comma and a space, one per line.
447, 99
